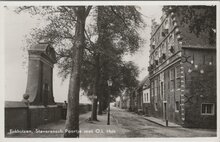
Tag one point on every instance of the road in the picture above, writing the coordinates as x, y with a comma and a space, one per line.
123, 124
136, 126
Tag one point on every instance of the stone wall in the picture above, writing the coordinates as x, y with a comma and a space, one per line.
16, 116
42, 115
21, 117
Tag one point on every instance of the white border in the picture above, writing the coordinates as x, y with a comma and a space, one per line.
54, 3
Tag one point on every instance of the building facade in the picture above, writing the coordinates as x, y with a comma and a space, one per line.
143, 97
182, 73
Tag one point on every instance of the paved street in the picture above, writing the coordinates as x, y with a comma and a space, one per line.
123, 124
136, 126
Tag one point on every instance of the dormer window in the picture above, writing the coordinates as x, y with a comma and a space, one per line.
163, 56
153, 44
164, 32
166, 25
156, 55
151, 61
156, 62
171, 49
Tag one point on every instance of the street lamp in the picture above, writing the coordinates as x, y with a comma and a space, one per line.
109, 85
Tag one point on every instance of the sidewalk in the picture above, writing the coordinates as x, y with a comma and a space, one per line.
88, 129
161, 122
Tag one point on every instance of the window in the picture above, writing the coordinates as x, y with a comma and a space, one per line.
163, 49
153, 44
144, 98
177, 106
147, 98
178, 79
207, 109
155, 106
155, 88
178, 83
158, 85
170, 39
160, 51
162, 93
166, 24
156, 55
172, 78
152, 88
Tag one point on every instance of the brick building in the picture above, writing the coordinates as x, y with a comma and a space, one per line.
182, 73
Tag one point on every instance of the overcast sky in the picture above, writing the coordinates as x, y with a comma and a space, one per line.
16, 26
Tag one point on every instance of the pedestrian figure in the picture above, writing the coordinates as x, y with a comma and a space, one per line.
25, 99
64, 109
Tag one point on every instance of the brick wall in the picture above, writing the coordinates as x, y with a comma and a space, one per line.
200, 88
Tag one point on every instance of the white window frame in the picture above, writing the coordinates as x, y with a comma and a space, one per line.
213, 109
170, 71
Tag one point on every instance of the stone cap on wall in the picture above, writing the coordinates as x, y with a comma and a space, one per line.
15, 104
45, 49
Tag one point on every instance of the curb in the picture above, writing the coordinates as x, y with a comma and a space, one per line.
178, 126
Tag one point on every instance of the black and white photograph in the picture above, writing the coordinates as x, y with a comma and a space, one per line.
107, 70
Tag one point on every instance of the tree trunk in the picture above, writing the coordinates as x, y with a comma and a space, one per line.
72, 120
96, 88
100, 107
97, 65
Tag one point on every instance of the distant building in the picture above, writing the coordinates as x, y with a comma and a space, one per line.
146, 96
118, 102
143, 96
125, 100
182, 74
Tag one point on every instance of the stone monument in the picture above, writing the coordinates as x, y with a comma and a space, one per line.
42, 107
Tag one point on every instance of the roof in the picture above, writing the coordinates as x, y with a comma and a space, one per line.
187, 37
15, 104
198, 47
145, 81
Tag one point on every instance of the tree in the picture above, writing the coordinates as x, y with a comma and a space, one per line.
66, 23
72, 120
116, 34
200, 19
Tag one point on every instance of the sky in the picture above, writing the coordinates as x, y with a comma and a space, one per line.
16, 26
